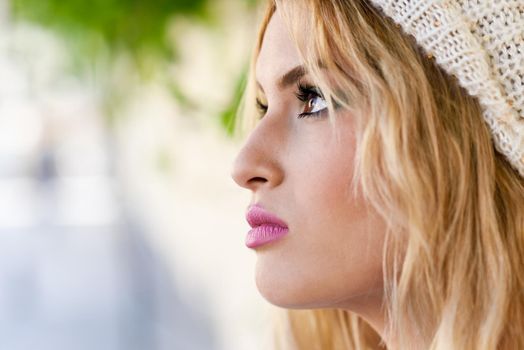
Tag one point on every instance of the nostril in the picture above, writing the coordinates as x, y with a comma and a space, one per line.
257, 179
255, 182
256, 166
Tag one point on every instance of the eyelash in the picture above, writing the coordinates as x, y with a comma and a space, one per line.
304, 93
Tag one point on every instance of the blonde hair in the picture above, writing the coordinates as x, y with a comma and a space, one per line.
454, 253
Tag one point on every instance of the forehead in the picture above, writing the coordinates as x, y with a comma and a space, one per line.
278, 53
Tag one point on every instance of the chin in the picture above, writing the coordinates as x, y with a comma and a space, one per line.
286, 287
276, 286
286, 291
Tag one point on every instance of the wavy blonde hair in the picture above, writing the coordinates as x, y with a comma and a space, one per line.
454, 253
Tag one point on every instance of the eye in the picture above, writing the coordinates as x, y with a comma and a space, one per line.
314, 102
261, 107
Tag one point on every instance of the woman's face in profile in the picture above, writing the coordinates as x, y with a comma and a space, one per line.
297, 170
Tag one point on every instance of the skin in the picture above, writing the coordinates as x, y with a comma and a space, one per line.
332, 255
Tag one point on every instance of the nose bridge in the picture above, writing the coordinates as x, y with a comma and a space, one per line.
258, 163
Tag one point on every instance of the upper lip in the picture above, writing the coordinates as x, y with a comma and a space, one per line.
256, 216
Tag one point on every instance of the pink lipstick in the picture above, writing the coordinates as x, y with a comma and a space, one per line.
266, 227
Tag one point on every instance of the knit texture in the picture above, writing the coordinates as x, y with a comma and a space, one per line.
481, 43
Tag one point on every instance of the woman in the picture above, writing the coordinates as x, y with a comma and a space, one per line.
386, 164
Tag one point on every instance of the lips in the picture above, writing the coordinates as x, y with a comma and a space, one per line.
257, 216
266, 227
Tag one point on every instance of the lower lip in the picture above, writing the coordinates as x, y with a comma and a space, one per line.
263, 234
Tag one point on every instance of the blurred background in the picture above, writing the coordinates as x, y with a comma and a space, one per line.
120, 227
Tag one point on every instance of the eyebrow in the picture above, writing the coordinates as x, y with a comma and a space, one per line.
289, 78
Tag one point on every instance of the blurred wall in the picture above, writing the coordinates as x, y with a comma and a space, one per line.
124, 231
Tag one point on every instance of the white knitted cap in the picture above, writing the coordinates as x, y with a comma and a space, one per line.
481, 43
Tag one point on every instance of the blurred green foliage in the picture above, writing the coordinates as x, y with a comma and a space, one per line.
99, 32
136, 27
229, 115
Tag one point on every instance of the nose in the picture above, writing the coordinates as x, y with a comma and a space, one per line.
257, 164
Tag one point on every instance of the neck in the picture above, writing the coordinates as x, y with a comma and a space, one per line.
371, 309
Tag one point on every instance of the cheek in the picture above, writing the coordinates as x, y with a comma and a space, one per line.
334, 252
326, 190
322, 265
